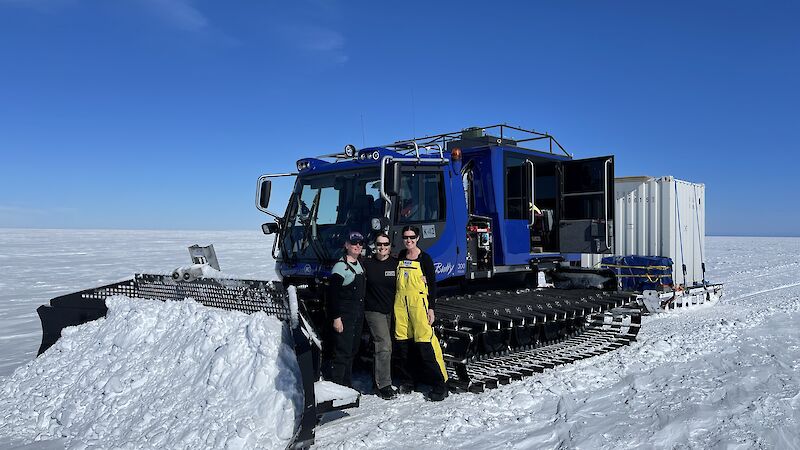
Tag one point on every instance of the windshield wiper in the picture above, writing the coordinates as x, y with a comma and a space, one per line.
319, 249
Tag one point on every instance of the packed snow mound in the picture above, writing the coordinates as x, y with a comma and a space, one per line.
159, 375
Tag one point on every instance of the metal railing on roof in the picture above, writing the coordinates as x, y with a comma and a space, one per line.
502, 131
437, 143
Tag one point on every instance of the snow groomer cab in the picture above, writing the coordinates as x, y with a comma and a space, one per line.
496, 202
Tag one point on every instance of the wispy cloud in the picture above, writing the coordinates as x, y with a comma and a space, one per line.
180, 13
45, 6
316, 41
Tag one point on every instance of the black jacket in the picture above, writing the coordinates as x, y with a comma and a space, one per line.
349, 299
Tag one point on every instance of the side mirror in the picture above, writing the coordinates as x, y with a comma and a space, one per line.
262, 194
379, 223
269, 228
392, 181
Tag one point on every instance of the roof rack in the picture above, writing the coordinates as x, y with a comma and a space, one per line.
439, 142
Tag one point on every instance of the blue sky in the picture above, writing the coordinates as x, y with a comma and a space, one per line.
161, 114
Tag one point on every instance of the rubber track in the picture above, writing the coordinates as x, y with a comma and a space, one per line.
480, 333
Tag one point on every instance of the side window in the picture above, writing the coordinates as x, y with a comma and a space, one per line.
516, 190
584, 182
421, 198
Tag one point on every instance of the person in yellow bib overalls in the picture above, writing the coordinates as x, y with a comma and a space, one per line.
414, 314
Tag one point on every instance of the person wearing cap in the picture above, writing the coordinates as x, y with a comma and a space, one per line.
381, 284
414, 305
346, 291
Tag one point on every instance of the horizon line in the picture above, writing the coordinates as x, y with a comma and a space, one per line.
258, 230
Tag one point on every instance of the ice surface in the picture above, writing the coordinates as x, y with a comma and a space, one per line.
159, 375
724, 376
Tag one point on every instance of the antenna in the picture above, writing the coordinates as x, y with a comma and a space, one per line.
363, 133
413, 120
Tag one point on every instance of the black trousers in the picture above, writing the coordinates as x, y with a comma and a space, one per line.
345, 347
416, 362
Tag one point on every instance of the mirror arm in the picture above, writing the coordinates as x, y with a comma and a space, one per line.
258, 191
384, 162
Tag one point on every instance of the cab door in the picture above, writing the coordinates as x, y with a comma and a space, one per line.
422, 203
586, 222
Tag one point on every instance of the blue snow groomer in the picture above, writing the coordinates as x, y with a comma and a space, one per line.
487, 206
495, 206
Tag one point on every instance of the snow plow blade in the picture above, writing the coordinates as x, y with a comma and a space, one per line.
492, 338
246, 296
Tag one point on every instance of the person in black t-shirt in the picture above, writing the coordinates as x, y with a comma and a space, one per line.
378, 305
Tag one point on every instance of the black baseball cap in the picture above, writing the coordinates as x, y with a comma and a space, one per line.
355, 238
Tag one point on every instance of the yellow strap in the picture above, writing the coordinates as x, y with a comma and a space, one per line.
636, 267
645, 275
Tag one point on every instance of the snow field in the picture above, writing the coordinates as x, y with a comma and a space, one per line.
37, 265
720, 376
159, 375
715, 376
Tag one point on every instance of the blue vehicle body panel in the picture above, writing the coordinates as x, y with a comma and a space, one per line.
511, 236
445, 240
449, 252
319, 166
302, 270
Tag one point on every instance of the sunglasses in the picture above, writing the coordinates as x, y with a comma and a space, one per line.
412, 237
356, 242
381, 244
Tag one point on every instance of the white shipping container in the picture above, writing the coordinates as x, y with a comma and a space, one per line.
660, 217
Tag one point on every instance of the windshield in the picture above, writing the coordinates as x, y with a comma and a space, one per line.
324, 209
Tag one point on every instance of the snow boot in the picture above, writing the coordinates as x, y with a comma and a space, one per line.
387, 393
438, 393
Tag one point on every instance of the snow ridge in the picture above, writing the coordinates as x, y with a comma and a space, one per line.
159, 375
